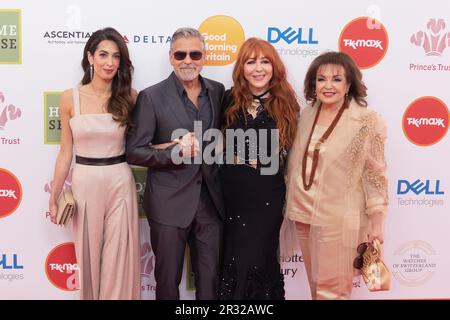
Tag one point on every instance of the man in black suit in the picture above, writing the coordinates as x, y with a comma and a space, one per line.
183, 202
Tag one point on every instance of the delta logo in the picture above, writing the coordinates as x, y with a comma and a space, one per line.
52, 120
366, 40
150, 39
425, 121
224, 36
10, 193
61, 267
10, 36
434, 40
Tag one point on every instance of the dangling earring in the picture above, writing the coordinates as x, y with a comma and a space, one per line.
91, 71
118, 73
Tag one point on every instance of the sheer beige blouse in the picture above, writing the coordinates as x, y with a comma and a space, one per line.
350, 183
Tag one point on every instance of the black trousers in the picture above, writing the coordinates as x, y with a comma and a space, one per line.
204, 237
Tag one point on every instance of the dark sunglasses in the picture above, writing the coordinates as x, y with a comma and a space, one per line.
359, 260
194, 55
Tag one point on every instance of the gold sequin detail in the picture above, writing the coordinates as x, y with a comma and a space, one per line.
378, 147
376, 178
356, 147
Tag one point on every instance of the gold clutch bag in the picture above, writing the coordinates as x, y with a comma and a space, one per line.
66, 207
375, 273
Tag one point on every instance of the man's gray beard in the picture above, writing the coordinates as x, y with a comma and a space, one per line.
189, 75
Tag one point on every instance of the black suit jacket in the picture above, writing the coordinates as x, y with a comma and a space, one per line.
172, 190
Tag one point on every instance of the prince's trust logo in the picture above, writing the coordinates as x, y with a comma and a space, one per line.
433, 41
8, 112
9, 116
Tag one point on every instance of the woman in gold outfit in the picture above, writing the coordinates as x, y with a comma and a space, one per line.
337, 186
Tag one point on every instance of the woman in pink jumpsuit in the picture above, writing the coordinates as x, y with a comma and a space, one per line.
94, 120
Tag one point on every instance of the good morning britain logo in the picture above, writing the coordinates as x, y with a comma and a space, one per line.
10, 36
366, 40
425, 121
224, 36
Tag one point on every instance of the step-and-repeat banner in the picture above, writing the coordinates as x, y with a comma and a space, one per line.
402, 49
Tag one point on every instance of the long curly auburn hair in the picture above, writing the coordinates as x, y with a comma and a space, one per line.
281, 105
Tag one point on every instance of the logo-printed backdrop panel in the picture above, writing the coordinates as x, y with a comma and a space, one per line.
406, 67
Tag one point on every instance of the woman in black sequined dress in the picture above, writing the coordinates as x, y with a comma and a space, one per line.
261, 103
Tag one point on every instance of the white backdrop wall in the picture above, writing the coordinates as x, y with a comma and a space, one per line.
412, 62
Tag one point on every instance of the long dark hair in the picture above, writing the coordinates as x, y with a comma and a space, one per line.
282, 105
120, 103
353, 75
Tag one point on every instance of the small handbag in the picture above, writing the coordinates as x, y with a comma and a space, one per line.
375, 273
66, 207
